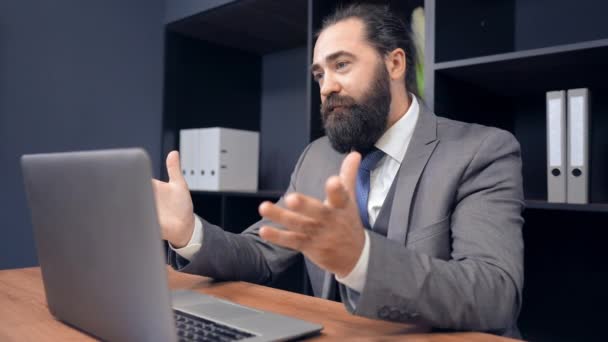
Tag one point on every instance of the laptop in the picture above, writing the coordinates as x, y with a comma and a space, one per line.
100, 251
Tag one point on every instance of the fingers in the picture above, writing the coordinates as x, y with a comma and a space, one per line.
337, 195
307, 206
348, 171
174, 169
287, 218
156, 184
285, 238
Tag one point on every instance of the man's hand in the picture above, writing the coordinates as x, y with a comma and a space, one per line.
174, 204
330, 234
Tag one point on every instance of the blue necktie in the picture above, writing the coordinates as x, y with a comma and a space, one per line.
368, 163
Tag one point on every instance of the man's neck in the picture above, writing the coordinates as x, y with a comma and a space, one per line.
399, 106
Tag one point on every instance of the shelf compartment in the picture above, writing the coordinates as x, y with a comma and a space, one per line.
260, 26
525, 117
473, 28
211, 85
234, 211
566, 66
259, 193
544, 205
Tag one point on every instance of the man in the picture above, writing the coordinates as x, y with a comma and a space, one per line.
425, 228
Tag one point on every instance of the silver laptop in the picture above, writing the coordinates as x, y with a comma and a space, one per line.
99, 247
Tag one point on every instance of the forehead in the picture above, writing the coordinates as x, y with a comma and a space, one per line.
347, 35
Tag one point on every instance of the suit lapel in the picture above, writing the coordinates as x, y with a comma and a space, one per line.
421, 148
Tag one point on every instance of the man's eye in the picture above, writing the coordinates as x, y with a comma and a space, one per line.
317, 77
341, 65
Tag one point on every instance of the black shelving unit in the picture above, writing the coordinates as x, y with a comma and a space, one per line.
232, 211
492, 62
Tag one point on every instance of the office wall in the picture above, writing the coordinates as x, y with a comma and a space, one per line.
73, 75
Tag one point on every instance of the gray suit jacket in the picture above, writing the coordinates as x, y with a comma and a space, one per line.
453, 256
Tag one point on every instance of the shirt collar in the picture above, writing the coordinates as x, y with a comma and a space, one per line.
395, 140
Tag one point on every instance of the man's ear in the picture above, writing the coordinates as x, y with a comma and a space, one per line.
395, 64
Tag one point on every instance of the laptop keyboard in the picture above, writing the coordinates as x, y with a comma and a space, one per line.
192, 328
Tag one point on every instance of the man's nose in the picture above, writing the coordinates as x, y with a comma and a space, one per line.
330, 85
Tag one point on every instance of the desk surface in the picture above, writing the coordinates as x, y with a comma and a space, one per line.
24, 315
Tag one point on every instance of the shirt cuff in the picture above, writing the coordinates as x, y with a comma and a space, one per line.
194, 245
356, 278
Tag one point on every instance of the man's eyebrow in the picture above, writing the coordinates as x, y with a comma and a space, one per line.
332, 57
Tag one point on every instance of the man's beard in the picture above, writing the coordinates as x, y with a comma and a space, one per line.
358, 125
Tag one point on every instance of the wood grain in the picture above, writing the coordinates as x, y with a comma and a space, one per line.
24, 315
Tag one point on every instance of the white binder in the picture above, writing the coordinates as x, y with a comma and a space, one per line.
556, 147
578, 146
188, 146
238, 159
229, 159
209, 159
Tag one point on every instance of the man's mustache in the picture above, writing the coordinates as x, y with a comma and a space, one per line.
334, 101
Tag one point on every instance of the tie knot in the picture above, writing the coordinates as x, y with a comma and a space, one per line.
371, 159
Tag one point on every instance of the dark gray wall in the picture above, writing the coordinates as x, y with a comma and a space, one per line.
73, 75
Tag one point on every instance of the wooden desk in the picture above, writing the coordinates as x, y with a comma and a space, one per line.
24, 315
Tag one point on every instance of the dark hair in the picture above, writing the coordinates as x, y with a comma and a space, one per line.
383, 29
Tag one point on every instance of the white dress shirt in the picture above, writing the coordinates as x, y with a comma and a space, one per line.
393, 143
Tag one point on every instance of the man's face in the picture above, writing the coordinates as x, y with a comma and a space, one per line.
354, 85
